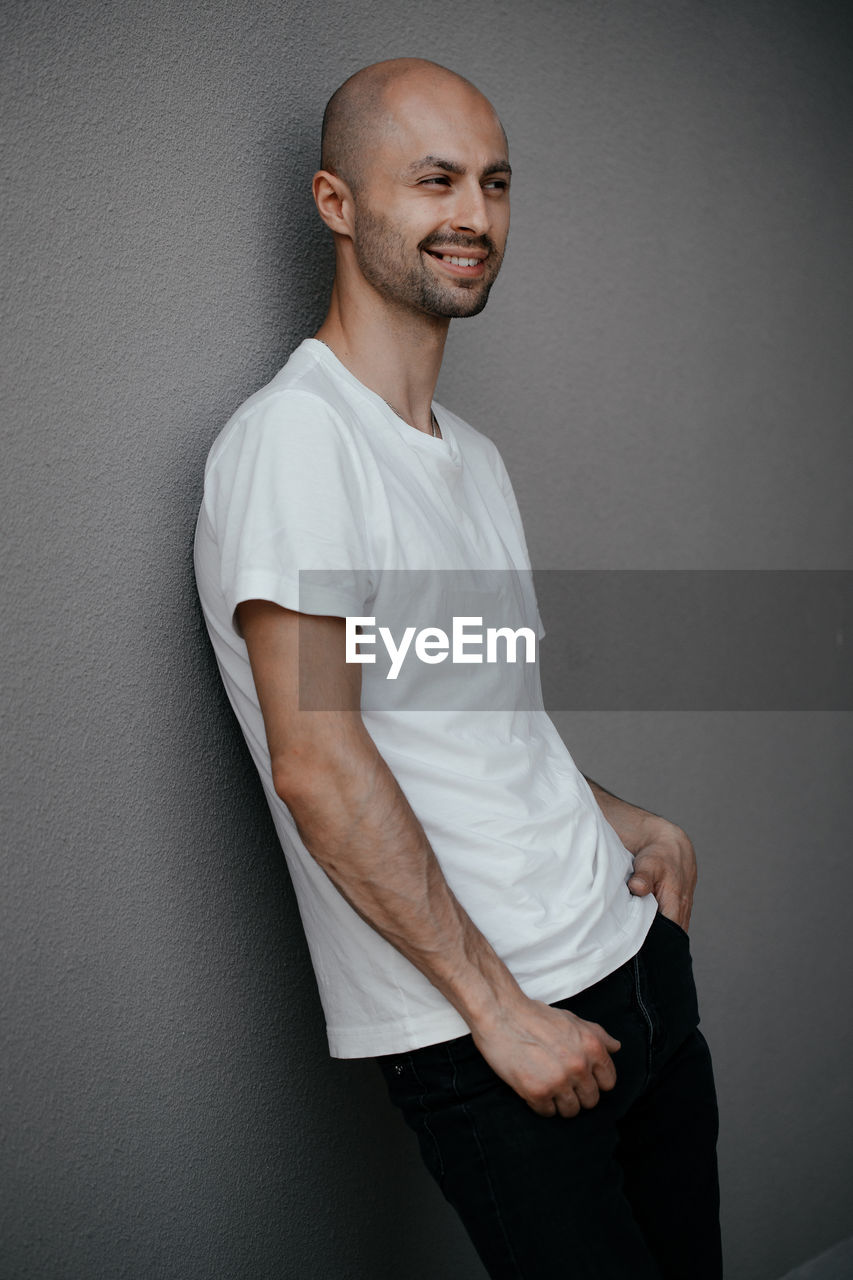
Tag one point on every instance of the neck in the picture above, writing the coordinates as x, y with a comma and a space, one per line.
395, 353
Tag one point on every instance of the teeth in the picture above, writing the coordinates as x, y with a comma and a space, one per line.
460, 262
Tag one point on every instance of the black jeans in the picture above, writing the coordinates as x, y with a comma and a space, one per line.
624, 1191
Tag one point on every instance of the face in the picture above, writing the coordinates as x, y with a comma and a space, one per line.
432, 213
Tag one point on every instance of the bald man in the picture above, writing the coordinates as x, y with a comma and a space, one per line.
504, 936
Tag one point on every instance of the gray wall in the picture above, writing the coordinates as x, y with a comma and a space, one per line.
665, 365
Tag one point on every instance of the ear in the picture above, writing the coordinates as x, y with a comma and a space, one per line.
334, 201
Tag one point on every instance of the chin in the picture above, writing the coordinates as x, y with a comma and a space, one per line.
464, 313
468, 304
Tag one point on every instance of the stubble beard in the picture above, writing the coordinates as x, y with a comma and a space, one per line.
381, 253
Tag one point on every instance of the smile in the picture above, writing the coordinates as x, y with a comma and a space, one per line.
459, 264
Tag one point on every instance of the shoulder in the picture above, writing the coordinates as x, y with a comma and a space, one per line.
282, 415
296, 416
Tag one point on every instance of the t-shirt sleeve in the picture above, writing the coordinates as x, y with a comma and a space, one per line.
286, 497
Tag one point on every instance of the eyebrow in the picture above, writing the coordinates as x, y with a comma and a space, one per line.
450, 166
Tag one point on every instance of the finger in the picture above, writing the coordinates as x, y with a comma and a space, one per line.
605, 1074
542, 1106
587, 1092
610, 1043
639, 886
567, 1105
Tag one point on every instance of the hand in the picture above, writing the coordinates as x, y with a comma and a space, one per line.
554, 1060
665, 865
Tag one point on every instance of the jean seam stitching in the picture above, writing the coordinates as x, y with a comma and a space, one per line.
647, 1017
425, 1112
488, 1176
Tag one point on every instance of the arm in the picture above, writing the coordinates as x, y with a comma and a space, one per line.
356, 822
664, 858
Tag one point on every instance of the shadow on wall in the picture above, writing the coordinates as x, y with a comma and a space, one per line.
300, 255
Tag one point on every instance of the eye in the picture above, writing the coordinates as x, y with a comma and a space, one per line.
440, 179
497, 184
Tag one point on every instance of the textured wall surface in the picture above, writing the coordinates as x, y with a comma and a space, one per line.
665, 365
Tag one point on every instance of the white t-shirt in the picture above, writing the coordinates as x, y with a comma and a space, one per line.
316, 473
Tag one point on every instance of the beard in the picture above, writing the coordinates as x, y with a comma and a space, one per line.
385, 261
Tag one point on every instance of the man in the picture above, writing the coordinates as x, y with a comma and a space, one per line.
508, 940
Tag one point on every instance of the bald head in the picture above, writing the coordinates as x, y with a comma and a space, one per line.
361, 112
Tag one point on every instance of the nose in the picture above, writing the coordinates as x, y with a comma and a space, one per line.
471, 213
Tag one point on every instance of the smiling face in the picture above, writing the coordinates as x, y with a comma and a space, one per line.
432, 201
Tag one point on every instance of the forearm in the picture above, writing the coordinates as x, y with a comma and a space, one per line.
358, 825
634, 826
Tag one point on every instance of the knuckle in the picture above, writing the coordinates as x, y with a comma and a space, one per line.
592, 1045
576, 1069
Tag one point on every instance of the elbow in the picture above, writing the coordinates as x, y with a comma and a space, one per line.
295, 779
303, 776
325, 781
318, 757
316, 799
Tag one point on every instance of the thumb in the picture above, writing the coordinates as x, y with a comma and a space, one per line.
639, 885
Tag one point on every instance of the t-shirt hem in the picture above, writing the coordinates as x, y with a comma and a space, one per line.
447, 1024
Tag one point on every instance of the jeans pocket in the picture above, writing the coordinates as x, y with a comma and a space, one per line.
412, 1095
673, 924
